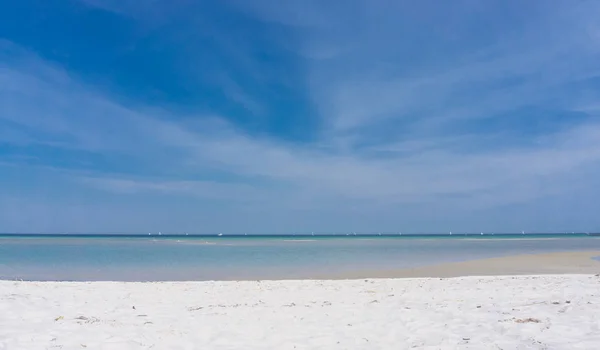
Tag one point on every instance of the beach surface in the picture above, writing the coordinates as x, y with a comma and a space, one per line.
525, 312
550, 311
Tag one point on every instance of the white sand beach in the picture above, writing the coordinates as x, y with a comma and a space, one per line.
525, 312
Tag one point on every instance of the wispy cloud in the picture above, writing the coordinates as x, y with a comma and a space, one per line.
379, 84
399, 143
204, 189
104, 126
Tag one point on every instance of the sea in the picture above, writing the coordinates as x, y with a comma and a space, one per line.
113, 257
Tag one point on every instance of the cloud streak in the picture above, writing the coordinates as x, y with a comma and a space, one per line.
399, 146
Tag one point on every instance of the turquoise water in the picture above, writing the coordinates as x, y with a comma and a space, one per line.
136, 258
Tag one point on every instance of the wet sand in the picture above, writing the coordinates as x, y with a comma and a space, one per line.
535, 264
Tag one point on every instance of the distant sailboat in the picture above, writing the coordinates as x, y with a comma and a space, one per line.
220, 234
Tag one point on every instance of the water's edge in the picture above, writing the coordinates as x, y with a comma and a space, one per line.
172, 258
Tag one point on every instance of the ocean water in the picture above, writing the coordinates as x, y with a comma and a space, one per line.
138, 258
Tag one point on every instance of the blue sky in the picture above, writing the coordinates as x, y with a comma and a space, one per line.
264, 116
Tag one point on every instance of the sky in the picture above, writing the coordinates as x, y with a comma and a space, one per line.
291, 116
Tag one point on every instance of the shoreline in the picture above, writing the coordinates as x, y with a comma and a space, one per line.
568, 262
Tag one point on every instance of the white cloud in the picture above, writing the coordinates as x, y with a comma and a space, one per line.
203, 189
84, 119
399, 179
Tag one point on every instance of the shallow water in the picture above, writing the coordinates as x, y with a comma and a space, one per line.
216, 258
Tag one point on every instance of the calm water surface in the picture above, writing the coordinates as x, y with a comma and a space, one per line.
152, 259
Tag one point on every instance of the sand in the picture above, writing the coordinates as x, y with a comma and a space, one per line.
534, 264
492, 312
